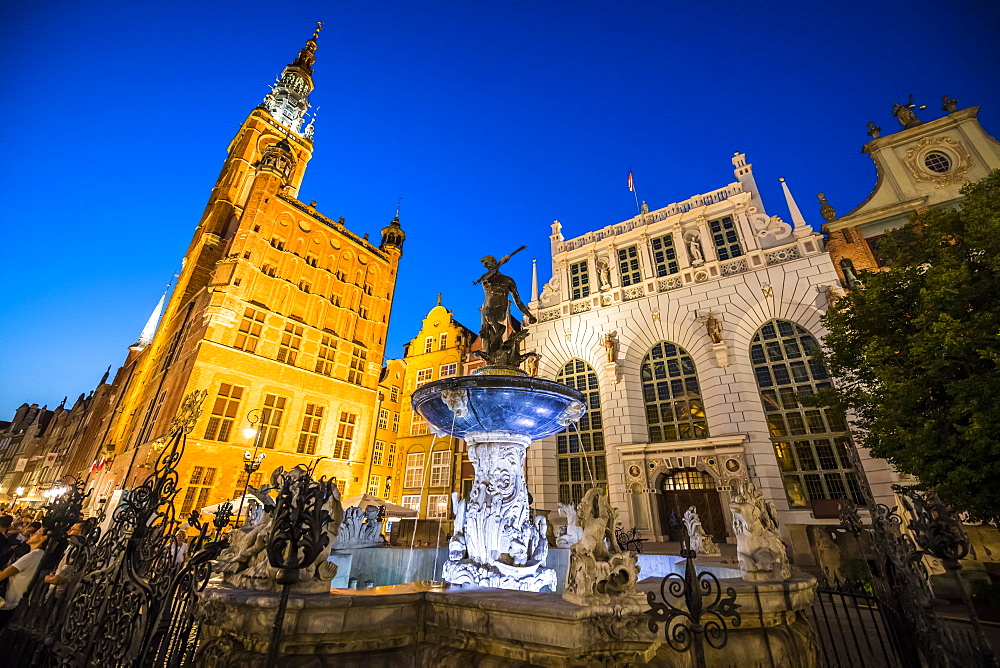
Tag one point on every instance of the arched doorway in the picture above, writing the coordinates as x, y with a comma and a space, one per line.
680, 489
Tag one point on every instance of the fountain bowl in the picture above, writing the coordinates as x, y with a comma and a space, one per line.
520, 404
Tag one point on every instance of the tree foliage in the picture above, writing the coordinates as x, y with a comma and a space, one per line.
917, 351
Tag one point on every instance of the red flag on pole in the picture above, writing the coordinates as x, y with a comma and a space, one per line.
631, 184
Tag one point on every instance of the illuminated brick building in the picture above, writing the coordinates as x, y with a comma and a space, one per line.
278, 310
432, 467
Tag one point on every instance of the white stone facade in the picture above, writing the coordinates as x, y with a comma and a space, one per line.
783, 272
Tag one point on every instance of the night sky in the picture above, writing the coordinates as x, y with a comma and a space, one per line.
490, 119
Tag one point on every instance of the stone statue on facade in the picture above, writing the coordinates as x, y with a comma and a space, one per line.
496, 310
600, 572
610, 346
645, 207
825, 209
570, 534
759, 547
531, 364
694, 250
603, 275
950, 105
904, 114
245, 563
360, 528
851, 280
700, 541
874, 131
714, 328
827, 554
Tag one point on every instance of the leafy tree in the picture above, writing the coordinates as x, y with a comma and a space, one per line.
917, 351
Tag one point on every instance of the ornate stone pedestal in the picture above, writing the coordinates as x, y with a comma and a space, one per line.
496, 542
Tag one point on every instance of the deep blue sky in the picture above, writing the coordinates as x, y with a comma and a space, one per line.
489, 118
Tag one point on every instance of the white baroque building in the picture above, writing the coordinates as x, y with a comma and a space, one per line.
689, 328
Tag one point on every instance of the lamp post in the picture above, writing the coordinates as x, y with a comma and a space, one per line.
251, 462
17, 493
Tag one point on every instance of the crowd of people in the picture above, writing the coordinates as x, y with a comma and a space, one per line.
23, 545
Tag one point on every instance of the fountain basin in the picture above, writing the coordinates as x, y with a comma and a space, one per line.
533, 407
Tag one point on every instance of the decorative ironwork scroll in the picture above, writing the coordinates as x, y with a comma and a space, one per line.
696, 623
125, 597
297, 536
902, 583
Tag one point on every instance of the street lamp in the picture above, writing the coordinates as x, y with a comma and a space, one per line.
17, 493
251, 462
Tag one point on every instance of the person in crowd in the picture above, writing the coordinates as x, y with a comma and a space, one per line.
20, 574
64, 572
6, 526
21, 548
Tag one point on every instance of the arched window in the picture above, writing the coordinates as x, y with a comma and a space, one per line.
674, 409
580, 448
813, 445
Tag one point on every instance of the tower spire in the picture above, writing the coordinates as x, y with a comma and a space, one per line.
800, 225
534, 280
146, 337
288, 100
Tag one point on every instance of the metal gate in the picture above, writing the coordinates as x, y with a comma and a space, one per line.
889, 619
125, 600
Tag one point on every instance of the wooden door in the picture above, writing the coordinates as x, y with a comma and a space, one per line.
673, 505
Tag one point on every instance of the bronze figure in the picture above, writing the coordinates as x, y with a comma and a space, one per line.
495, 311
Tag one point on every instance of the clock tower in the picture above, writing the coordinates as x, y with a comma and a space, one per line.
280, 314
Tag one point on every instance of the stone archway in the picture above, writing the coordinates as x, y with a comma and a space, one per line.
679, 489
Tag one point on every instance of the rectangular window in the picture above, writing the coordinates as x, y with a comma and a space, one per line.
269, 269
278, 243
345, 436
199, 489
628, 266
394, 394
250, 327
437, 506
326, 356
395, 421
378, 452
664, 255
579, 280
224, 411
418, 425
356, 374
424, 376
429, 344
414, 475
448, 370
440, 468
383, 418
443, 341
411, 501
725, 238
311, 260
305, 286
241, 480
374, 482
270, 419
311, 422
291, 341
390, 459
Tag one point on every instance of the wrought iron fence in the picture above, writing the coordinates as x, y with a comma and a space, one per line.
889, 619
123, 598
706, 615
